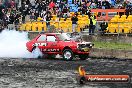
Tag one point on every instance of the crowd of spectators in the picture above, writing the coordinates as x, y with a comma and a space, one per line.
11, 14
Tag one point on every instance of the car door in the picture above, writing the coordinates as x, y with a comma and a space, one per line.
52, 44
41, 43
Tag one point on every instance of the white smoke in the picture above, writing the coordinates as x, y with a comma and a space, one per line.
36, 53
13, 45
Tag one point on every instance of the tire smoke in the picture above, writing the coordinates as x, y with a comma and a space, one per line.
13, 45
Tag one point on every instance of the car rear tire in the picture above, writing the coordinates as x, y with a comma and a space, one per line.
39, 57
83, 56
68, 54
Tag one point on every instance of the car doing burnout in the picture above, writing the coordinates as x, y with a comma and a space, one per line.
60, 43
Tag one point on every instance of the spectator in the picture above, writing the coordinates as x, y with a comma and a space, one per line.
51, 5
61, 4
128, 9
79, 3
39, 7
47, 2
93, 5
65, 12
74, 20
59, 15
7, 17
16, 4
1, 25
88, 12
2, 12
92, 25
33, 17
33, 2
36, 14
82, 10
55, 10
24, 10
12, 4
99, 4
67, 15
17, 17
106, 4
76, 13
48, 18
44, 5
48, 11
120, 13
4, 18
11, 22
103, 26
43, 15
6, 4
113, 2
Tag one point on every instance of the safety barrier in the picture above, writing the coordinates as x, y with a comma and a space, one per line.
116, 25
58, 23
66, 26
113, 27
41, 26
104, 13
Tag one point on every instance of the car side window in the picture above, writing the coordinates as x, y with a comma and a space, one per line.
51, 38
42, 38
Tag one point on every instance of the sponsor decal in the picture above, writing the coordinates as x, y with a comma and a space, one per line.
40, 44
108, 78
84, 77
50, 50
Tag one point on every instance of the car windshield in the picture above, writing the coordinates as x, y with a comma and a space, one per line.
64, 37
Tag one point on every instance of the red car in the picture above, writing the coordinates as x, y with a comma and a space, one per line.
60, 43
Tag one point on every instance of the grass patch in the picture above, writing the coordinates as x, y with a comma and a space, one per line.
112, 45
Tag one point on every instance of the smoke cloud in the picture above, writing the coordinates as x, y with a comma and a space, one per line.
13, 45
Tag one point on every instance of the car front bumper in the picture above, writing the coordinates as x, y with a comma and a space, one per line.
83, 51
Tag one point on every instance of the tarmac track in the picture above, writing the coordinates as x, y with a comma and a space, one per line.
49, 73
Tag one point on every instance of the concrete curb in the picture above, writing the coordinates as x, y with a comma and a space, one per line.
111, 53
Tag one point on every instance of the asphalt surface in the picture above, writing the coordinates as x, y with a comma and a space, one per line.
50, 73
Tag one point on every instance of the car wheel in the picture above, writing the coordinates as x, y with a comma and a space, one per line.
83, 57
67, 54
